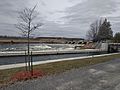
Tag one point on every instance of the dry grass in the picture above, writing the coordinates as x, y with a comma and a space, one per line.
57, 67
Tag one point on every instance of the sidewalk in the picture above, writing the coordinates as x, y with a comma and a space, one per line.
2, 67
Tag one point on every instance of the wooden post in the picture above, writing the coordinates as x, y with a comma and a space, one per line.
25, 61
31, 65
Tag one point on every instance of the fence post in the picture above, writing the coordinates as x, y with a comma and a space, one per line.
25, 61
31, 64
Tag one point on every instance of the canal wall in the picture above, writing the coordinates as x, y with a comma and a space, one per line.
49, 52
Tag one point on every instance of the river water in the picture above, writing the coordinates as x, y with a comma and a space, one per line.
34, 47
37, 47
21, 59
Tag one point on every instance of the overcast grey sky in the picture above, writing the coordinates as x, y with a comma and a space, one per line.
65, 18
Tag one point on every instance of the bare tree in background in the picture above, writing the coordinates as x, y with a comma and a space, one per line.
27, 24
94, 29
100, 30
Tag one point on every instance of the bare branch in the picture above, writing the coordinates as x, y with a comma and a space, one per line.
36, 26
94, 29
27, 25
22, 26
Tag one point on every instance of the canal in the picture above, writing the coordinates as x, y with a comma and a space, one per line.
21, 59
39, 47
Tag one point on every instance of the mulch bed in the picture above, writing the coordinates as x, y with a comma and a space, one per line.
25, 75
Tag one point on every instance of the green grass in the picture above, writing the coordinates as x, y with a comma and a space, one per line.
57, 67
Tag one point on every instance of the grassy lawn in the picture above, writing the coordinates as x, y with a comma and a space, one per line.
57, 67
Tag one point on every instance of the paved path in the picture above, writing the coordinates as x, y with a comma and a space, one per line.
105, 76
17, 65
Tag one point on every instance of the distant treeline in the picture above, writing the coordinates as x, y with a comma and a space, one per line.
19, 37
14, 37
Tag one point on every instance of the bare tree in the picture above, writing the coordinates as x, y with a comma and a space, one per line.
27, 24
100, 30
94, 29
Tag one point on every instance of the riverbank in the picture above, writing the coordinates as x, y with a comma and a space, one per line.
58, 67
103, 76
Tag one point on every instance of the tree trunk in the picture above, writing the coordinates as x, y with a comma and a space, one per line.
29, 45
28, 52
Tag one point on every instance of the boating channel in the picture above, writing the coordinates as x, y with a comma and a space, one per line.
39, 47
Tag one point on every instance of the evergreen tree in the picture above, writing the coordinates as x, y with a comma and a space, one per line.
105, 31
100, 30
116, 38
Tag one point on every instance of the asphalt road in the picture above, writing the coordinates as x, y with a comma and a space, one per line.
105, 76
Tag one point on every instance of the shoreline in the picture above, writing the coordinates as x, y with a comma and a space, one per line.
3, 67
57, 67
